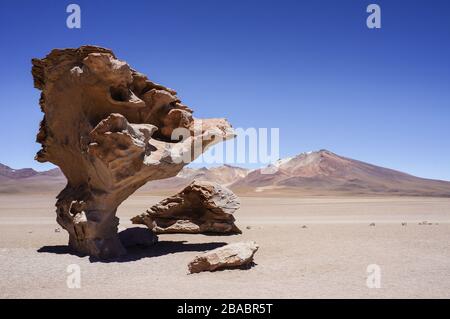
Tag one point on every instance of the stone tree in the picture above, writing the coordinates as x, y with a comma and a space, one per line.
110, 130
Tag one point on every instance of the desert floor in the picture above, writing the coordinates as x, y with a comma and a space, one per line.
327, 259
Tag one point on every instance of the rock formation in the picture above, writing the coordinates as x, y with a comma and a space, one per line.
229, 256
110, 130
202, 207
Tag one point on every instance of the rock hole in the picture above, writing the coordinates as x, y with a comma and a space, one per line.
120, 94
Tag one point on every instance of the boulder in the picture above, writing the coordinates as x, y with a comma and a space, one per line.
201, 207
235, 255
110, 130
137, 236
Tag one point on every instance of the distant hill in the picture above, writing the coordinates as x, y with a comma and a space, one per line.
325, 173
312, 173
8, 172
27, 180
225, 175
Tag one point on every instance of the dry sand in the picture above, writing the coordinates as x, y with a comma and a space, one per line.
328, 259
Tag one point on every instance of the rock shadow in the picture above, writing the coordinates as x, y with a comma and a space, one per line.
139, 252
59, 250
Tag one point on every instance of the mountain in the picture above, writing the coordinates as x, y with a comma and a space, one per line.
8, 172
28, 180
225, 175
325, 173
312, 173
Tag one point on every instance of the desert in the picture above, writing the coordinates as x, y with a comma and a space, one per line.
328, 259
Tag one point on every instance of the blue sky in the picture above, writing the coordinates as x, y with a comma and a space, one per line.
311, 68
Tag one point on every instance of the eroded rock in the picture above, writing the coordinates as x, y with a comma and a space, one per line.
109, 129
201, 207
230, 256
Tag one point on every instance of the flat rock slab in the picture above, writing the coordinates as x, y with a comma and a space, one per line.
230, 256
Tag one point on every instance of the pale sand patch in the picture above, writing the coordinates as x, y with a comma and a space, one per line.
328, 259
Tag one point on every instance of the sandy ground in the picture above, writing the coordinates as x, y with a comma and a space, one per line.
327, 259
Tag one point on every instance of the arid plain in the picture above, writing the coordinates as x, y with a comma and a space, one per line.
310, 247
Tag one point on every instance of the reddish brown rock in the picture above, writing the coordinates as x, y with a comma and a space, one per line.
230, 256
109, 130
202, 207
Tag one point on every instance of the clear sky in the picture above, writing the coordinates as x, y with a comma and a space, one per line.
311, 68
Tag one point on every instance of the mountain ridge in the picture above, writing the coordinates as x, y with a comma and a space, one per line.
310, 173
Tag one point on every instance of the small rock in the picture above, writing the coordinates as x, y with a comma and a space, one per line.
229, 256
404, 224
372, 224
248, 227
304, 226
57, 230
